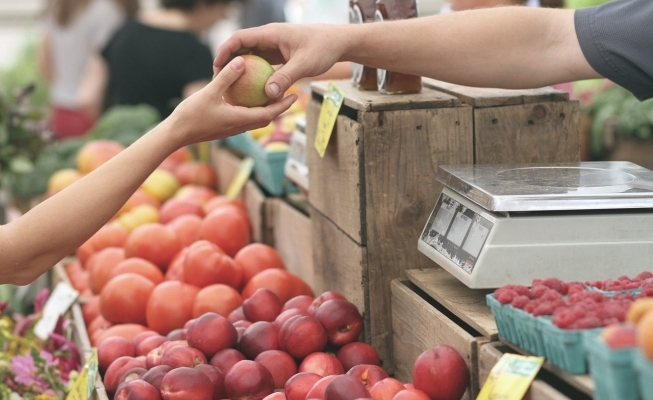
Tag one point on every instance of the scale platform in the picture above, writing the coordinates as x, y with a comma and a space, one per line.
508, 224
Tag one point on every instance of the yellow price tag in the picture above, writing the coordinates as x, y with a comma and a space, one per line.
240, 179
510, 378
331, 104
85, 383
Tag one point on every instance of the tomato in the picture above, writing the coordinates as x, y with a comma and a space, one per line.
257, 257
98, 323
221, 201
153, 242
139, 198
280, 282
170, 306
227, 228
124, 299
205, 264
174, 208
180, 156
111, 235
101, 265
220, 299
187, 229
127, 331
139, 266
91, 309
175, 271
84, 252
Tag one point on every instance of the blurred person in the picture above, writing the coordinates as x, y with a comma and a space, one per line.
155, 58
72, 31
262, 12
36, 241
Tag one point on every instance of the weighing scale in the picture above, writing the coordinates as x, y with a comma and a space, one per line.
508, 224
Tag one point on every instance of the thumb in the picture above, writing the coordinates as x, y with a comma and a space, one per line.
228, 75
283, 78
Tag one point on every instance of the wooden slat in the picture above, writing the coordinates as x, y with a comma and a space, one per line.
370, 100
489, 355
336, 180
340, 264
255, 204
531, 133
292, 239
493, 97
467, 304
226, 165
403, 150
418, 326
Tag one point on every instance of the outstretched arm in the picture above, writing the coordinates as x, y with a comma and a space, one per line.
36, 241
507, 47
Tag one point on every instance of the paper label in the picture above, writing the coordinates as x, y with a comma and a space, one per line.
85, 382
331, 104
510, 378
60, 300
240, 179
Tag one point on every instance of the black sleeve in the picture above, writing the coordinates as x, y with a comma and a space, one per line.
198, 64
617, 41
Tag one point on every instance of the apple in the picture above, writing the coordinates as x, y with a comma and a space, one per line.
259, 337
441, 373
341, 321
155, 375
179, 356
386, 389
137, 390
225, 359
323, 364
280, 364
301, 336
286, 315
345, 387
111, 349
248, 380
116, 370
356, 353
297, 387
211, 333
263, 305
301, 302
331, 295
236, 315
317, 391
620, 335
149, 344
216, 378
186, 383
369, 375
249, 88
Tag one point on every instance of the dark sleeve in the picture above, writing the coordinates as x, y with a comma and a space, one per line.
617, 41
198, 64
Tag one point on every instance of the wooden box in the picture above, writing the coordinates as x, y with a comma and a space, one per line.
374, 189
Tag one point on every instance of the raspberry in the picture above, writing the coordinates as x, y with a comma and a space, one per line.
576, 297
553, 283
536, 282
537, 291
594, 296
623, 278
648, 292
505, 297
589, 322
551, 295
563, 319
530, 307
520, 302
522, 290
632, 285
609, 321
644, 275
543, 309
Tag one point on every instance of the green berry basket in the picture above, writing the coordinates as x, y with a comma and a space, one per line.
644, 372
613, 370
564, 348
504, 317
529, 332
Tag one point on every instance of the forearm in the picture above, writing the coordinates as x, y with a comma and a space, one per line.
509, 47
35, 242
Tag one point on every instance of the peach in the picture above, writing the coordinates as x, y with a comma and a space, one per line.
153, 242
186, 383
101, 265
175, 208
95, 153
248, 380
249, 88
369, 375
341, 321
645, 335
638, 309
259, 337
116, 370
263, 305
177, 334
206, 264
139, 198
136, 340
286, 315
139, 266
187, 228
112, 349
301, 336
154, 376
323, 364
620, 335
211, 333
357, 353
237, 315
180, 356
276, 396
229, 229
195, 173
317, 391
137, 389
280, 364
441, 373
345, 387
216, 378
199, 194
301, 302
411, 394
242, 324
150, 343
61, 180
225, 359
386, 389
297, 387
331, 295
161, 185
131, 374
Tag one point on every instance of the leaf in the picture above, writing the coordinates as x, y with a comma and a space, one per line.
4, 135
21, 165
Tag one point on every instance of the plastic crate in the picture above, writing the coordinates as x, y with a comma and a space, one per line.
644, 372
529, 332
613, 370
239, 142
564, 348
503, 315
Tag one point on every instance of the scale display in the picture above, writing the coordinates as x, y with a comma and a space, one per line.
457, 232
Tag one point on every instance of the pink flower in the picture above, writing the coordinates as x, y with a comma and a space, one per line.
41, 298
24, 370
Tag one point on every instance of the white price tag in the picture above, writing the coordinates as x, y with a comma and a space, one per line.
296, 169
60, 300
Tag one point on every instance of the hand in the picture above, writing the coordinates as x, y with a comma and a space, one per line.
306, 50
206, 116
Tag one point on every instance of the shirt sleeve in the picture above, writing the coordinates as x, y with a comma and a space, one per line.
617, 41
198, 65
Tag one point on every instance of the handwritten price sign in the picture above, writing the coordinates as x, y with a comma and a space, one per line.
331, 104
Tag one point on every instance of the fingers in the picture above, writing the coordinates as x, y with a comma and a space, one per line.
261, 116
227, 76
284, 77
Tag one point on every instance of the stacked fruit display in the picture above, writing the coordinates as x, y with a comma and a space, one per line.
304, 348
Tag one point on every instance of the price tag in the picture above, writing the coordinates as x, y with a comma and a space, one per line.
510, 378
240, 179
83, 386
331, 104
57, 304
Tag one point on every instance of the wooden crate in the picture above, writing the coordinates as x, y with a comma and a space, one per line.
419, 324
375, 187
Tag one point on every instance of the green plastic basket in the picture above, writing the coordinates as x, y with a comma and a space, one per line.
564, 348
504, 317
644, 372
613, 370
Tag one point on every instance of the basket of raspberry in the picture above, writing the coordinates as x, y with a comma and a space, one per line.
641, 284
